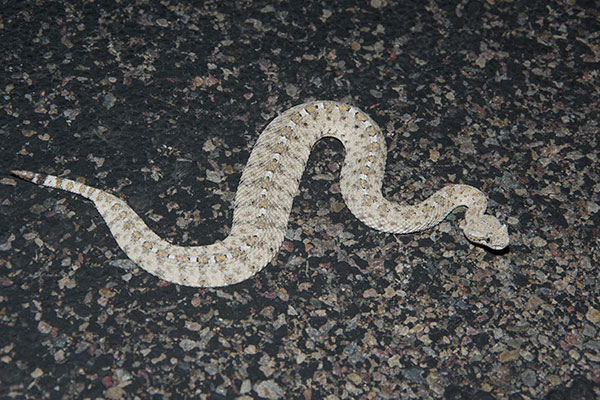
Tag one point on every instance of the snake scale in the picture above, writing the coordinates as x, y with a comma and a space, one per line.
265, 194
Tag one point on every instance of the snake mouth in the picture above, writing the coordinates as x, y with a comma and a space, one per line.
498, 251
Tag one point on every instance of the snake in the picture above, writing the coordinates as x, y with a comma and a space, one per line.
265, 194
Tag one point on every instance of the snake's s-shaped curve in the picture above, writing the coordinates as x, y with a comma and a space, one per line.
265, 194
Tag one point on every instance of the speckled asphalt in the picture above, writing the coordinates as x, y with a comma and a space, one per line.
161, 102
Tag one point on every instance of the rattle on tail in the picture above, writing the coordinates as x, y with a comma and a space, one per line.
265, 194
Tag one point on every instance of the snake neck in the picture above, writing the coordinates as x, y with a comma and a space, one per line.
393, 217
464, 195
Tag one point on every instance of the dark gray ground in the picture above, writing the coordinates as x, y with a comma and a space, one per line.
162, 103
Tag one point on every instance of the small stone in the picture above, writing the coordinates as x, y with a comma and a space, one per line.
187, 344
44, 327
193, 326
246, 386
589, 330
353, 390
269, 390
123, 375
394, 361
434, 155
533, 303
355, 378
208, 146
508, 355
481, 61
37, 373
64, 282
338, 206
554, 380
59, 356
291, 90
283, 294
115, 393
574, 354
414, 375
593, 315
529, 378
378, 3
104, 292
8, 181
214, 176
123, 263
109, 101
539, 242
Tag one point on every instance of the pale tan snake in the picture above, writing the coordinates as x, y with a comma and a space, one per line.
265, 194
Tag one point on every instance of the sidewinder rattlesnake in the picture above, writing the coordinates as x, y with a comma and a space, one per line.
264, 199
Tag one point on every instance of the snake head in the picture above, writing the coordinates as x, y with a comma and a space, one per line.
487, 231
